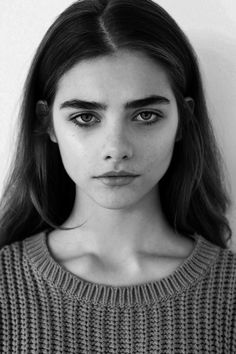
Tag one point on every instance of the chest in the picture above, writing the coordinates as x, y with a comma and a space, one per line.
91, 269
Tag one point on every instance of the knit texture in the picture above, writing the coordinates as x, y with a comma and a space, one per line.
46, 309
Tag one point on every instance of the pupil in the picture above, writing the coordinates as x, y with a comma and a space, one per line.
146, 115
86, 117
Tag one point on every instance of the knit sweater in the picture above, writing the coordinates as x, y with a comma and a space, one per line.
46, 309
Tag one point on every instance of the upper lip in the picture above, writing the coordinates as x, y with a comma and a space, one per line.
117, 174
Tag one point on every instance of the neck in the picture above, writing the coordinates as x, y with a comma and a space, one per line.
138, 228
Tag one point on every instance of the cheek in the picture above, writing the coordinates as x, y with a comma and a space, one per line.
158, 155
73, 154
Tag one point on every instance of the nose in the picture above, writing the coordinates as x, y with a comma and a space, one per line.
117, 144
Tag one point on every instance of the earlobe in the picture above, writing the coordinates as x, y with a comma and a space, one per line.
53, 138
52, 135
179, 133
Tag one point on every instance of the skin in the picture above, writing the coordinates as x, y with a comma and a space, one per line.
125, 233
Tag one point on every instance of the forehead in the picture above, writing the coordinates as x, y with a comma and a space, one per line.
121, 74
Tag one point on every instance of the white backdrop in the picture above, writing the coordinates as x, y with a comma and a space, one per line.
210, 26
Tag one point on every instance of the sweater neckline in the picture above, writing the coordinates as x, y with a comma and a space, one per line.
186, 274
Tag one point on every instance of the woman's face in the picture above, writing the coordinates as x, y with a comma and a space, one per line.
96, 140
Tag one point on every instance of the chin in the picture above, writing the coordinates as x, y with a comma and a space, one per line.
116, 203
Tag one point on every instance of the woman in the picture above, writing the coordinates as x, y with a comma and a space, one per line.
135, 261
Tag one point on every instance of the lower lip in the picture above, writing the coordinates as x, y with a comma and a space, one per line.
117, 181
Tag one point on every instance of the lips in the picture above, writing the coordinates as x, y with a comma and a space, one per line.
119, 176
117, 181
114, 174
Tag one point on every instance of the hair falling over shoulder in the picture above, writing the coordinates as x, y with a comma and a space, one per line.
38, 193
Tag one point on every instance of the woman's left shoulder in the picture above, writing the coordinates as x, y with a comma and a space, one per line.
219, 257
228, 256
225, 266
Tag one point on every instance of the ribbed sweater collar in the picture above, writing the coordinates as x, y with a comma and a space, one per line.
189, 272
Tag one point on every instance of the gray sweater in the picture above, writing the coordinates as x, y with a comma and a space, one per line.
46, 309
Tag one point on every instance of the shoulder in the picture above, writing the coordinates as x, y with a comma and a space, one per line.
11, 270
223, 273
219, 264
9, 250
216, 287
223, 259
12, 255
227, 260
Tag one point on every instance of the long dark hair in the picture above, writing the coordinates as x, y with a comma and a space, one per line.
38, 193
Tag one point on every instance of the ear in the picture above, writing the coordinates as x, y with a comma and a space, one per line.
179, 132
43, 113
190, 102
52, 135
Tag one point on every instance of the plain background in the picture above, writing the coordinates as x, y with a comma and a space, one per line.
210, 25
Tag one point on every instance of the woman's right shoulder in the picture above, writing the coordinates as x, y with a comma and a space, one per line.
9, 248
10, 254
13, 254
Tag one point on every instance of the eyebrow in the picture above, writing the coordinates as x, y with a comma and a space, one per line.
76, 103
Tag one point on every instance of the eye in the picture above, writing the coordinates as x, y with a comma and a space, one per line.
146, 116
86, 118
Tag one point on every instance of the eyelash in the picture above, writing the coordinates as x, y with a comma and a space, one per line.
73, 119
